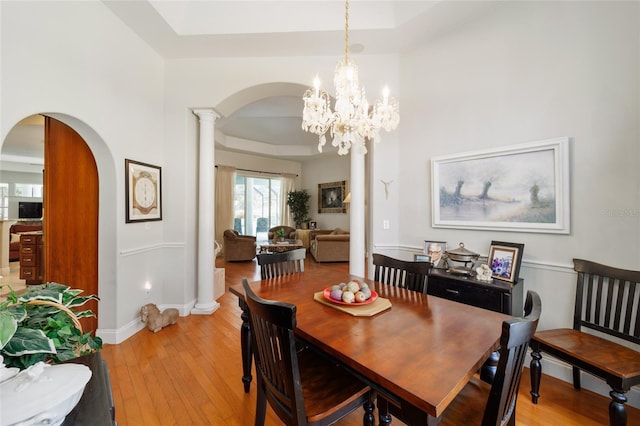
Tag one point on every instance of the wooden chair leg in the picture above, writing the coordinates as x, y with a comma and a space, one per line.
535, 369
245, 346
261, 405
368, 418
384, 418
617, 410
576, 378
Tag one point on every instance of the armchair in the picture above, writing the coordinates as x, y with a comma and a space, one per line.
289, 232
238, 247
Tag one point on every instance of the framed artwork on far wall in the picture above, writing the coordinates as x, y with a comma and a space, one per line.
504, 260
331, 197
143, 191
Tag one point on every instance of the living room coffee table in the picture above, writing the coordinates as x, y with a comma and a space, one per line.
279, 247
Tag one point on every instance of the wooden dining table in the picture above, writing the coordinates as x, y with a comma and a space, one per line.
419, 353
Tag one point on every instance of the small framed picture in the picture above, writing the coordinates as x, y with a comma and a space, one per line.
504, 260
421, 258
313, 225
143, 191
435, 250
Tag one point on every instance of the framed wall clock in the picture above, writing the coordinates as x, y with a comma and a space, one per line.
143, 191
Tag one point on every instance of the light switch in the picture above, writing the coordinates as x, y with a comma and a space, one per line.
385, 224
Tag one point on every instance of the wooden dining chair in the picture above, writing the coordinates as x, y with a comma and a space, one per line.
401, 273
277, 264
301, 386
606, 302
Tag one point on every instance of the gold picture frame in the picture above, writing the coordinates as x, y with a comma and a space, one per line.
143, 191
331, 197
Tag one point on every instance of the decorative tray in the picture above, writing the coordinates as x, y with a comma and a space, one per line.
327, 295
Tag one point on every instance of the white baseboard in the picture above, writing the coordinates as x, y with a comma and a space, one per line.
116, 336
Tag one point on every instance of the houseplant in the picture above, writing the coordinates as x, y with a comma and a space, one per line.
298, 202
40, 325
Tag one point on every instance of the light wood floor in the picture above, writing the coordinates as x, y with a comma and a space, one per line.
189, 374
12, 279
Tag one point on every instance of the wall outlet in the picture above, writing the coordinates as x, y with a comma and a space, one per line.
385, 224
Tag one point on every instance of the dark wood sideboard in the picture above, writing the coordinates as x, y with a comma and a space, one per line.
494, 295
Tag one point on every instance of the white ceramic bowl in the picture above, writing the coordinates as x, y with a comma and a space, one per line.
34, 397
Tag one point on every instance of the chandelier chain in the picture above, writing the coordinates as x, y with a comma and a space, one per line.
346, 31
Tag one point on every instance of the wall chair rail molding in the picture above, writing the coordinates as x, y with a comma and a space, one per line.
521, 188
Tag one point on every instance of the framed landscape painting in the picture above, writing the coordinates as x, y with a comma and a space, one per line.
522, 188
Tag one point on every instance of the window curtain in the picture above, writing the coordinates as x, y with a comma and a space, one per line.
288, 182
223, 211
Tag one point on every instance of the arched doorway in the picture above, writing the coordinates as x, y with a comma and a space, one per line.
106, 216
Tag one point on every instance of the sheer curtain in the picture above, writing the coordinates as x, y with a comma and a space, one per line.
288, 184
225, 180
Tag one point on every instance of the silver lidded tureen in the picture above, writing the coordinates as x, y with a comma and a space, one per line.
461, 255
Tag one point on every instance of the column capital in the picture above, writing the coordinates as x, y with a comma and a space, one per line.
206, 114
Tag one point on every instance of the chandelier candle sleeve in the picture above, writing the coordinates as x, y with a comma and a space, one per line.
352, 121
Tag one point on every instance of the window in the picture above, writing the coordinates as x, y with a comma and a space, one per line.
4, 201
256, 205
28, 190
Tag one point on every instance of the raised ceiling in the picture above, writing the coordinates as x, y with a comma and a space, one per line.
213, 28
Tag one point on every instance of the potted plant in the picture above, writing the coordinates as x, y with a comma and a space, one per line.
298, 202
280, 234
40, 325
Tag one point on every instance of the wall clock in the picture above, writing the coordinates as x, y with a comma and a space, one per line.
143, 191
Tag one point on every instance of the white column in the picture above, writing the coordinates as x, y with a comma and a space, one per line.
356, 217
205, 303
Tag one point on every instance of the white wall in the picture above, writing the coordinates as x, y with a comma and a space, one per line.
77, 62
327, 169
529, 71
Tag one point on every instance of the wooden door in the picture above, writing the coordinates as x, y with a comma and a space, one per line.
70, 213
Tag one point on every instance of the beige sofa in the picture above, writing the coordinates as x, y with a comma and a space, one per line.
330, 246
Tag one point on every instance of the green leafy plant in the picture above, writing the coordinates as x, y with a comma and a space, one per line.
298, 202
40, 325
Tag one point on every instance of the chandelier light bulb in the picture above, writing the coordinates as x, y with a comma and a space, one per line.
351, 122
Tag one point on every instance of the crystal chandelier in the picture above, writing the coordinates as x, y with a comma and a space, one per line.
352, 121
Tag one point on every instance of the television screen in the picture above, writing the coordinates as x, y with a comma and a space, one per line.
29, 210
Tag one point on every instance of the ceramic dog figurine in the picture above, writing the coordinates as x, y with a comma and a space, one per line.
150, 315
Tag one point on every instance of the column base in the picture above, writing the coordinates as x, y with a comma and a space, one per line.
218, 283
205, 309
